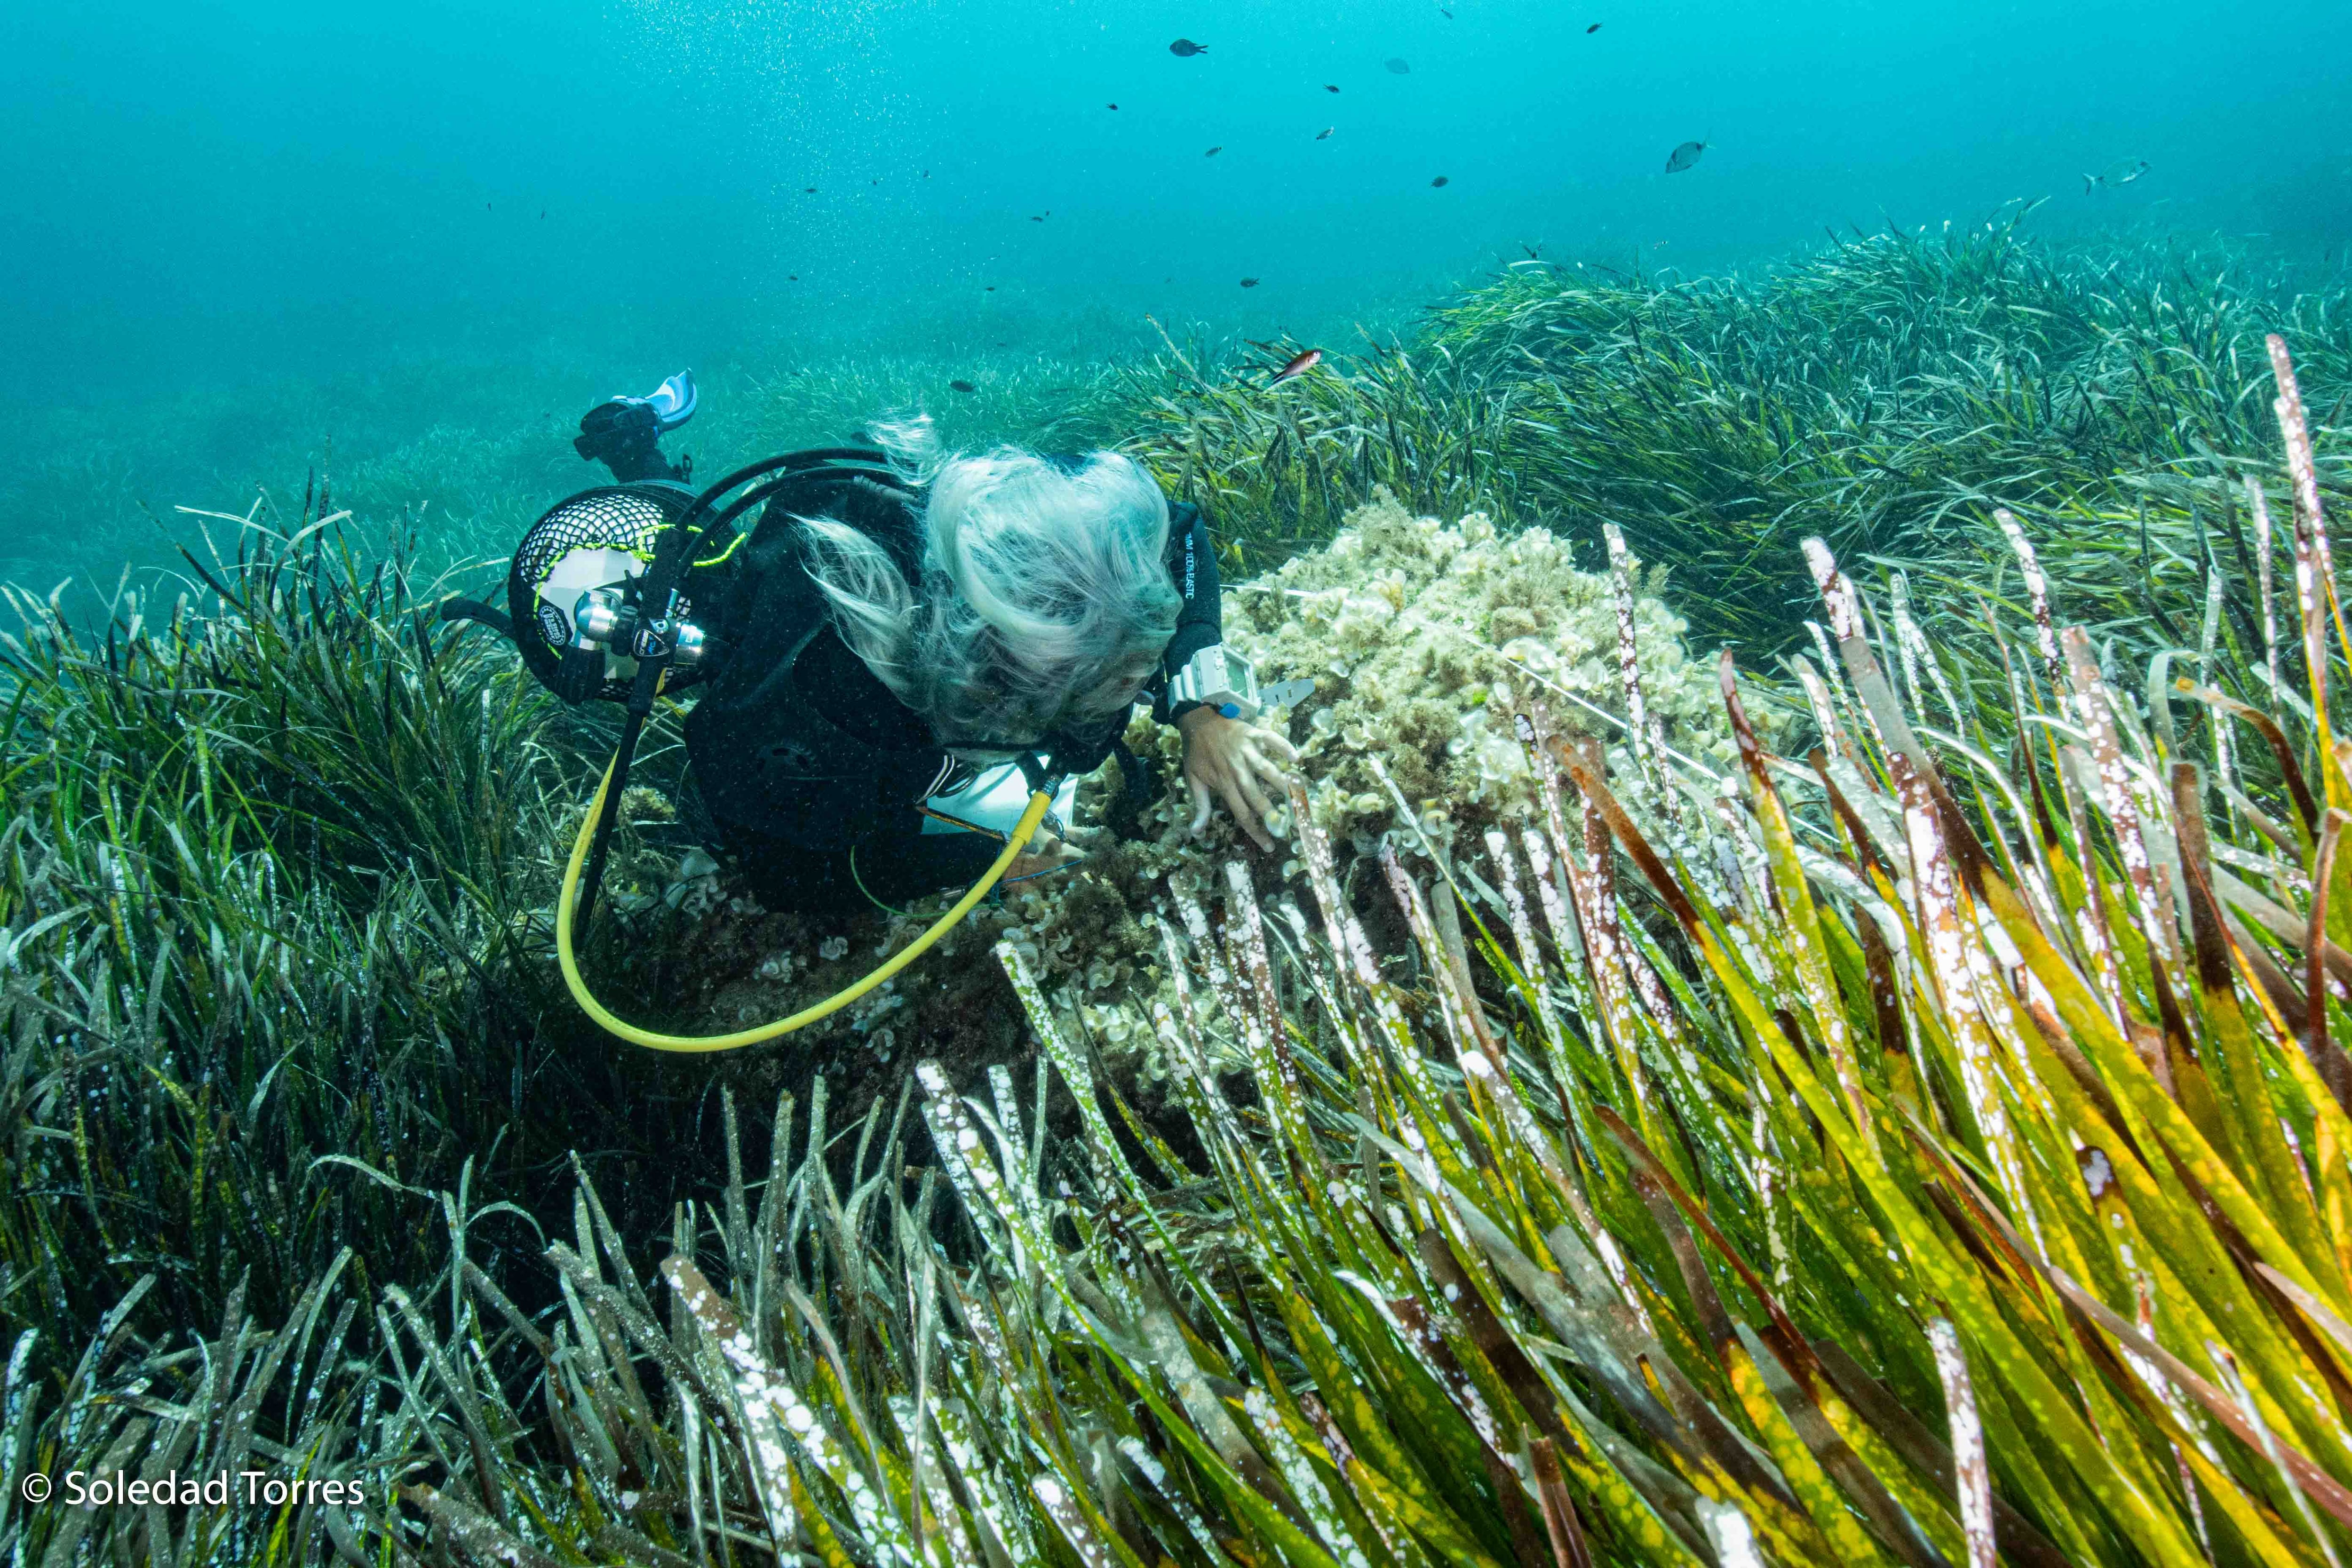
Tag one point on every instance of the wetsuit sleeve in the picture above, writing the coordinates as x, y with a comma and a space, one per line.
1193, 566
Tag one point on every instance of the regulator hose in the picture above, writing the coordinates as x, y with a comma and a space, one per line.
1040, 802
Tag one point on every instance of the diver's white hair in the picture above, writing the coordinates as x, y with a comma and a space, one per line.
1044, 600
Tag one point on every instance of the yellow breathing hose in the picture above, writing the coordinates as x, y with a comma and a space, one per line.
1039, 803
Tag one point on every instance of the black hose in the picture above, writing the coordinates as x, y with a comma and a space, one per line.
593, 877
814, 457
475, 610
793, 463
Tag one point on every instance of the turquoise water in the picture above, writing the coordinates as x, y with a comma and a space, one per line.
435, 234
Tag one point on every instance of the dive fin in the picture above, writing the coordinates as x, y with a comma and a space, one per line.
672, 402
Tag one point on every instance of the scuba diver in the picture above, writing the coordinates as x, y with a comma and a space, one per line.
897, 628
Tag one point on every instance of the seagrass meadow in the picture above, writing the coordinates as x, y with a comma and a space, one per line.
1918, 1134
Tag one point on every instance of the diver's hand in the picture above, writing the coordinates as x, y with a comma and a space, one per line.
1235, 760
1043, 852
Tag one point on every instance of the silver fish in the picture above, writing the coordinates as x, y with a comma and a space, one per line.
1296, 366
2116, 176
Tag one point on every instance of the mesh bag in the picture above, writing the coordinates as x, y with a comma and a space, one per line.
604, 537
596, 538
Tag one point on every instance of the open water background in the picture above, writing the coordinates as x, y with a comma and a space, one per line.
434, 232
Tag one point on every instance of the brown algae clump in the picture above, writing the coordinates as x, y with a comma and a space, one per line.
1408, 627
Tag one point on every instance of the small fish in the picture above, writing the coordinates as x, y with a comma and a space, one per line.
1592, 29
1444, 12
1114, 106
1185, 49
1215, 150
961, 386
1327, 130
1328, 87
1035, 218
988, 288
791, 277
1684, 156
2116, 177
1299, 365
1398, 68
1441, 180
1249, 282
927, 173
542, 215
808, 190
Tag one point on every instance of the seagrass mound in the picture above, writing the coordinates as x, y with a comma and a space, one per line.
1407, 625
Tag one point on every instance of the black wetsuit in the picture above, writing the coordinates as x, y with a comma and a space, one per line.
804, 759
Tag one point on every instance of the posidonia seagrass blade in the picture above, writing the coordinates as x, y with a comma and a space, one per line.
1882, 1160
1824, 1006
